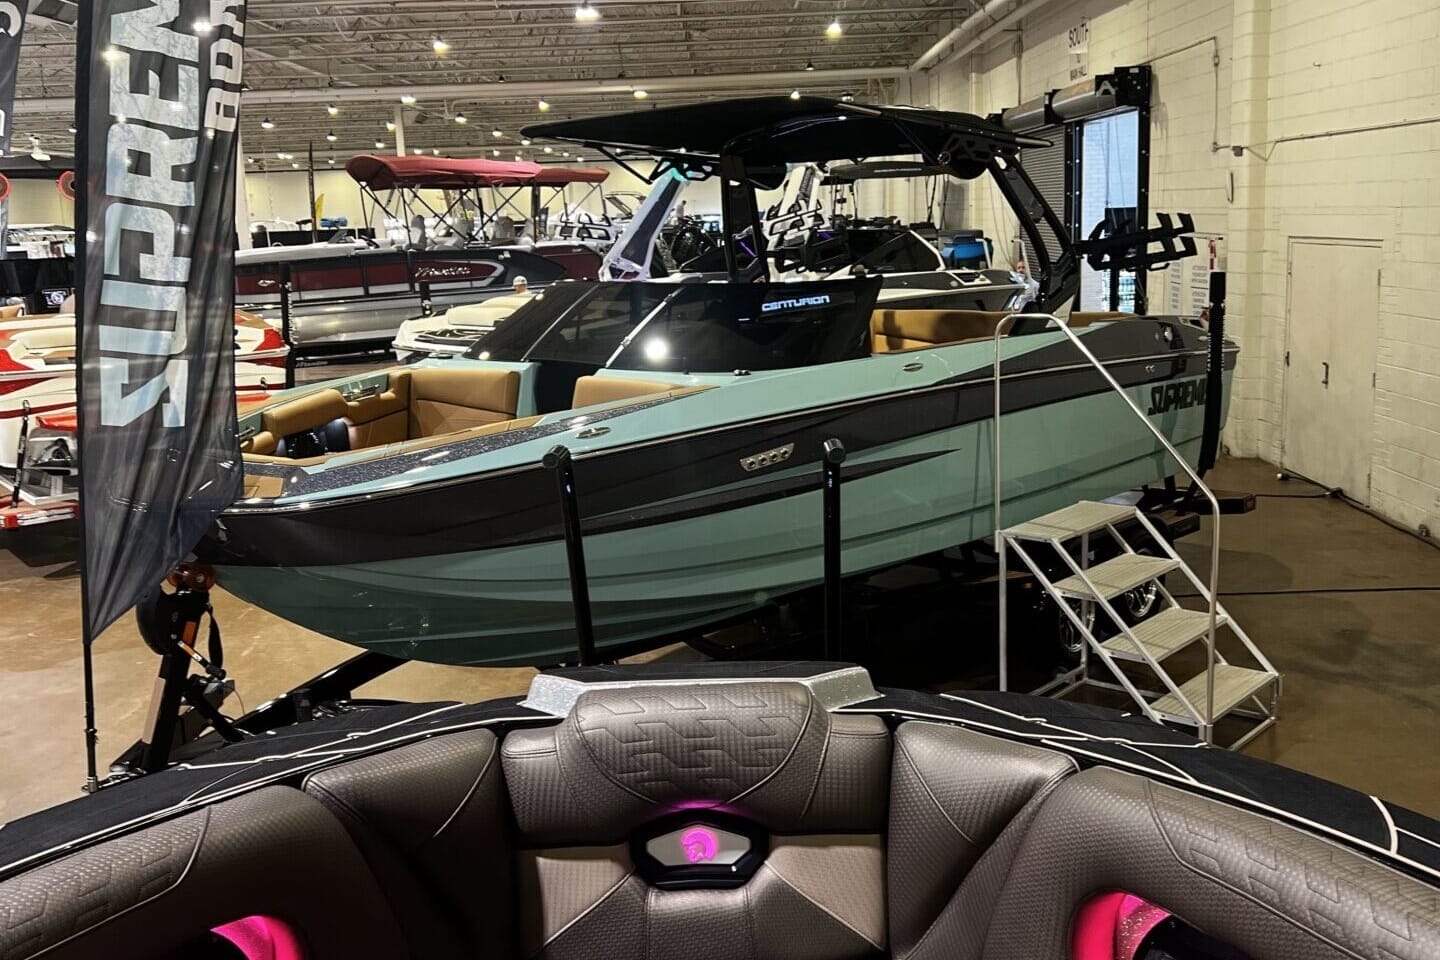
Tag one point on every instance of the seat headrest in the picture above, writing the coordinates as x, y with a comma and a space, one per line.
762, 750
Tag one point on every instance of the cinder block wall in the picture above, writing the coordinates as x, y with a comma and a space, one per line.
1359, 80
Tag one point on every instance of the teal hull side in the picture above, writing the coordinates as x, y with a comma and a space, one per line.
512, 605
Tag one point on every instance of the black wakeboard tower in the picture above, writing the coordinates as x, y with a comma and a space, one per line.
750, 142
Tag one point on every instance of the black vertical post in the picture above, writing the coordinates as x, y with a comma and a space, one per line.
834, 456
286, 334
559, 460
1214, 374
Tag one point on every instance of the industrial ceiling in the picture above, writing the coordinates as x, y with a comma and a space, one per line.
340, 68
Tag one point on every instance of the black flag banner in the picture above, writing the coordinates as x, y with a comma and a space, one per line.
158, 104
12, 26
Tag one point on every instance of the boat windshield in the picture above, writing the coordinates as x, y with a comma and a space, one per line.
689, 328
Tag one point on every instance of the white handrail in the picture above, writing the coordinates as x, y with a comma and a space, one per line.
1193, 474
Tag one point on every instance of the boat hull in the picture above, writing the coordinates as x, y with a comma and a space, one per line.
706, 555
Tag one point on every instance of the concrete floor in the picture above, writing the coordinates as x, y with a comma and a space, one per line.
1344, 605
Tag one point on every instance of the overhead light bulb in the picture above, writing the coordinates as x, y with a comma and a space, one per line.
295, 165
332, 161
439, 46
202, 27
331, 136
497, 133
549, 150
435, 151
847, 96
71, 128
794, 94
249, 159
331, 109
500, 79
267, 124
543, 106
110, 55
390, 125
566, 153
461, 118
641, 93
810, 66
416, 151
586, 12
407, 98
494, 153
517, 158
834, 30
379, 144
525, 142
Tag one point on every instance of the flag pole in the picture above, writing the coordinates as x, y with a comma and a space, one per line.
83, 50
314, 214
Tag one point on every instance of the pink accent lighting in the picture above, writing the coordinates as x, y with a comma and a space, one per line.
700, 845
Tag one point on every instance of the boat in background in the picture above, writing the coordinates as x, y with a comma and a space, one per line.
349, 298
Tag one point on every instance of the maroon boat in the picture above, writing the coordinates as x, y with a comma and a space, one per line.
349, 296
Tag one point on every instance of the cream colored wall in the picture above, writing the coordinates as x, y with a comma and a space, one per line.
1336, 104
38, 201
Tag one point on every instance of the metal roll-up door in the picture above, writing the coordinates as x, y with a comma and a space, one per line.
1047, 168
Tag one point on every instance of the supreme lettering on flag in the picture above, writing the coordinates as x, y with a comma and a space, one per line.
157, 107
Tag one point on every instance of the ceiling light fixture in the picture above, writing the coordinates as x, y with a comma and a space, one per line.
390, 125
549, 149
641, 93
331, 136
847, 96
416, 151
332, 161
544, 106
379, 144
110, 55
250, 159
525, 142
295, 165
72, 128
202, 28
439, 46
267, 124
331, 109
435, 151
497, 133
809, 66
494, 153
461, 118
500, 79
794, 94
834, 31
407, 98
586, 12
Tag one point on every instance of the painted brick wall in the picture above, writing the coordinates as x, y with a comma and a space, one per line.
1287, 68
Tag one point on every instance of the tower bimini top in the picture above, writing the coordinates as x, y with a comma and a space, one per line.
880, 170
751, 141
439, 173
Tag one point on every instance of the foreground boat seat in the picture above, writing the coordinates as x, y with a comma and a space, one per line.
592, 390
310, 412
431, 821
1254, 884
446, 400
274, 854
892, 331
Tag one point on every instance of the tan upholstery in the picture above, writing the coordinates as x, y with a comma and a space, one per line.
1083, 318
384, 417
444, 400
592, 390
308, 412
894, 330
12, 311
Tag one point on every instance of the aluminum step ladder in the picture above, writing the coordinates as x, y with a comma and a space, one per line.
1223, 688
1088, 597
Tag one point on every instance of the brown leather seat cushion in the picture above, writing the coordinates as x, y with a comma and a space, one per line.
593, 390
445, 400
895, 330
308, 412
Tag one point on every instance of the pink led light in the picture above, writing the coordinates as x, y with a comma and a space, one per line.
699, 844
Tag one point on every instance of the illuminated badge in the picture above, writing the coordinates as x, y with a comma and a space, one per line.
697, 843
683, 851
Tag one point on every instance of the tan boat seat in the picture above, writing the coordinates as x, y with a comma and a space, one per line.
445, 400
892, 331
309, 412
592, 390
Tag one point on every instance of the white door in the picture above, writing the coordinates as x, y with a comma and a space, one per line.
1331, 332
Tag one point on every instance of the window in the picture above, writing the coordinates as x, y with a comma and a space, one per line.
1109, 192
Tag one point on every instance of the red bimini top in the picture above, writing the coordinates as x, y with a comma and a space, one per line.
440, 173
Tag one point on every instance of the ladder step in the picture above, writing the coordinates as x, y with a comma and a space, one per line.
1087, 516
1233, 686
1161, 635
1116, 575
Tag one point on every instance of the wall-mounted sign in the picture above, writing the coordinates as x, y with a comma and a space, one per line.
1078, 41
